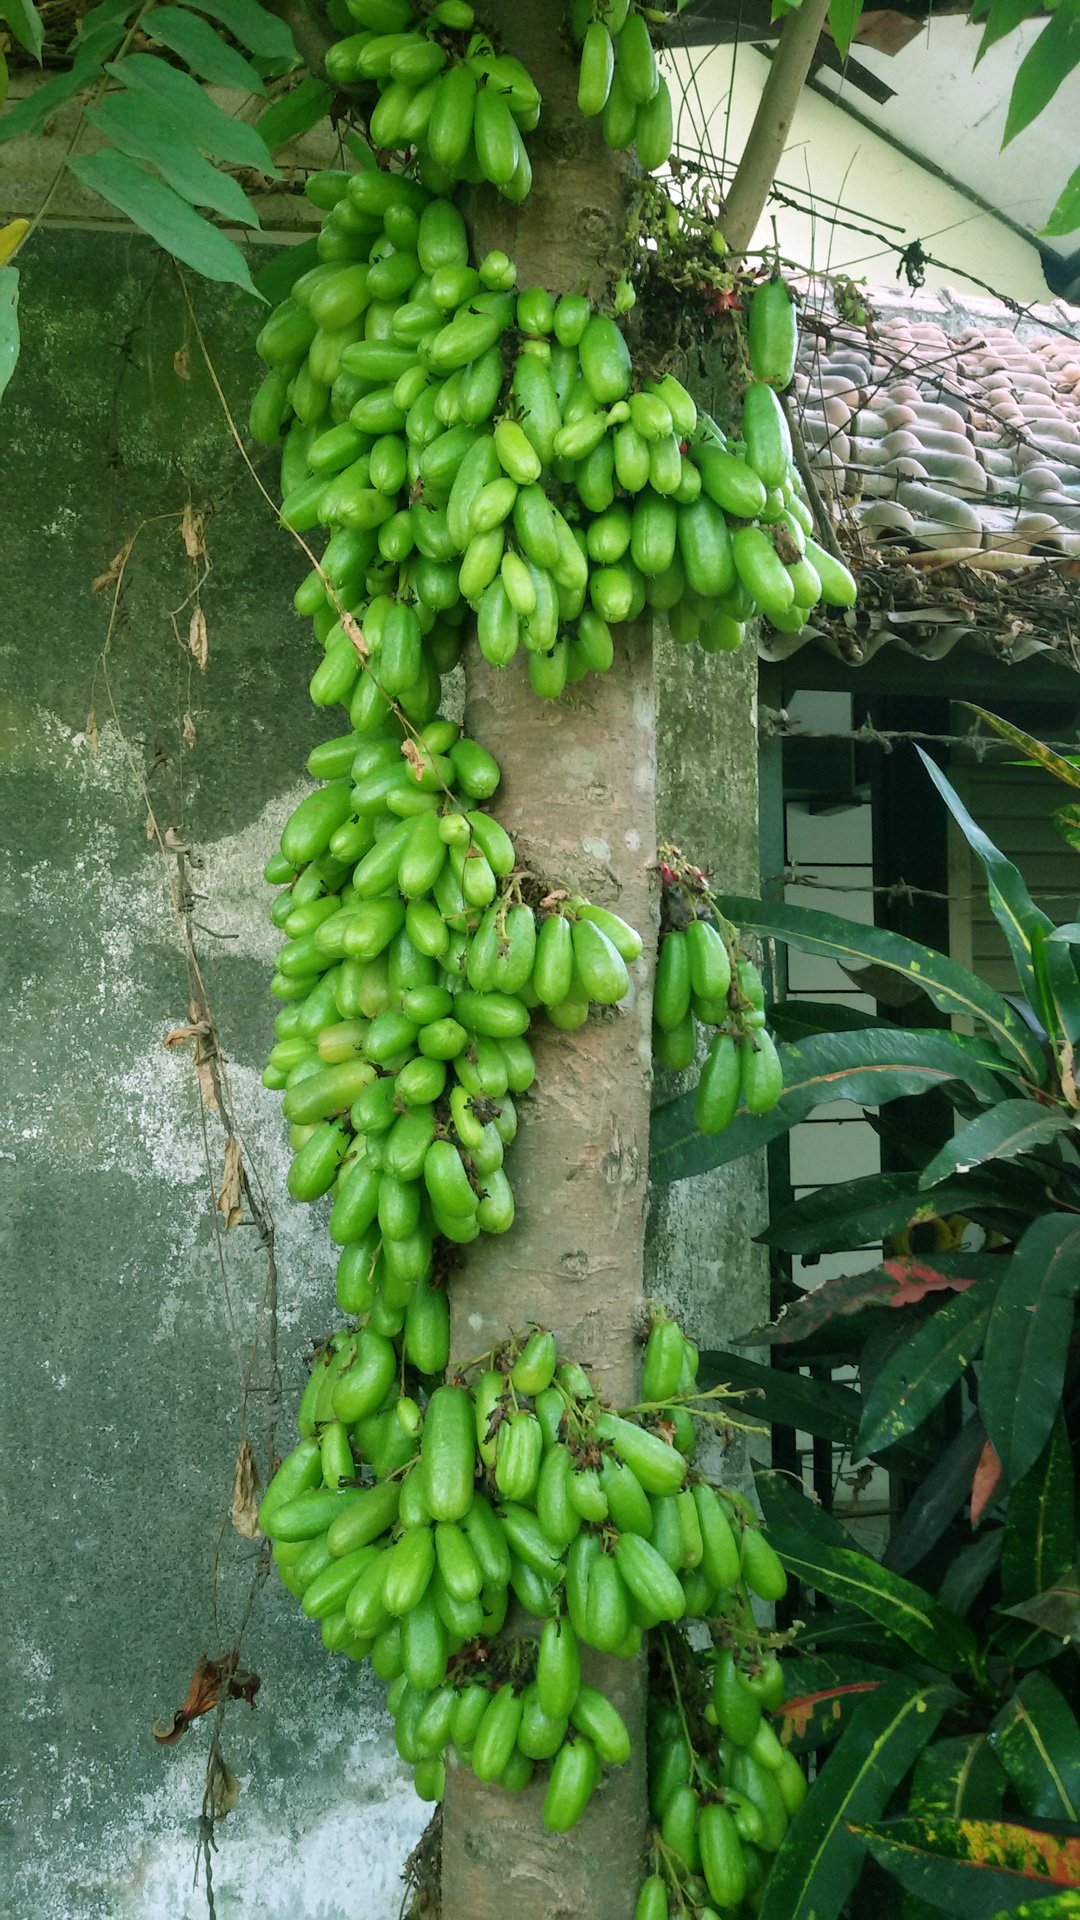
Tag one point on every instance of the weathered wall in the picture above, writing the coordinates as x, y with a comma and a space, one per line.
126, 1341
123, 1354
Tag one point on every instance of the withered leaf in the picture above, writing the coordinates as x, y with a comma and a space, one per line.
355, 633
191, 532
223, 1786
232, 1184
245, 1496
90, 731
188, 733
198, 639
115, 568
212, 1682
182, 364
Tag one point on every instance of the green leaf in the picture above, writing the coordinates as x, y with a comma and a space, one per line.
974, 1869
268, 36
283, 266
822, 1692
1067, 824
1062, 768
1056, 1610
1037, 1740
870, 1066
957, 1779
1003, 17
799, 1019
146, 133
26, 116
950, 987
1006, 1130
935, 1503
25, 22
901, 1281
1060, 1906
969, 1571
1044, 66
783, 1503
818, 1864
9, 324
918, 1375
215, 132
1039, 1532
1064, 219
201, 49
844, 1629
1027, 1342
787, 1399
1011, 903
843, 20
161, 213
855, 1213
853, 1579
1068, 935
295, 112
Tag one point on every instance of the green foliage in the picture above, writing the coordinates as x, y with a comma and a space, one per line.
966, 1387
169, 145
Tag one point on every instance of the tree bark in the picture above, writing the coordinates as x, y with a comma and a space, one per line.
579, 795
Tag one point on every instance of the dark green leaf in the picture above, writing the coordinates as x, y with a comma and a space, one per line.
1062, 768
843, 21
1039, 1527
282, 266
1027, 1342
1057, 1609
818, 1863
295, 112
9, 324
950, 987
201, 49
856, 1213
974, 1869
1006, 1130
1037, 1741
936, 1502
783, 1503
144, 132
30, 114
163, 215
215, 132
822, 1691
957, 1779
845, 1630
787, 1399
1003, 17
1011, 903
869, 1066
853, 1579
25, 22
268, 36
1059, 1906
970, 1570
1044, 66
919, 1374
900, 1281
1067, 822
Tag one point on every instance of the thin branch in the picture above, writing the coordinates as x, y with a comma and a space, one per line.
772, 123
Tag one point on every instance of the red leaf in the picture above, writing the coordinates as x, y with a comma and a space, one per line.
212, 1682
985, 1483
795, 1716
916, 1278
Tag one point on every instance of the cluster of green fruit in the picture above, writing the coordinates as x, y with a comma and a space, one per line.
702, 979
414, 961
443, 90
618, 77
722, 1787
411, 1511
473, 449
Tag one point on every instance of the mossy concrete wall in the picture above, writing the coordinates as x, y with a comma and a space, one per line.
140, 1335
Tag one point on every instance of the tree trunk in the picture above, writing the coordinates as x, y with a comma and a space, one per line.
579, 795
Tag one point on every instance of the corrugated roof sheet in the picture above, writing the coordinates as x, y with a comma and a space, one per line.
945, 436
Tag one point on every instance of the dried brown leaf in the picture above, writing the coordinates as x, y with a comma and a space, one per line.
212, 1682
224, 1787
90, 731
189, 735
355, 633
182, 364
232, 1184
114, 570
197, 639
192, 523
180, 1036
245, 1495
